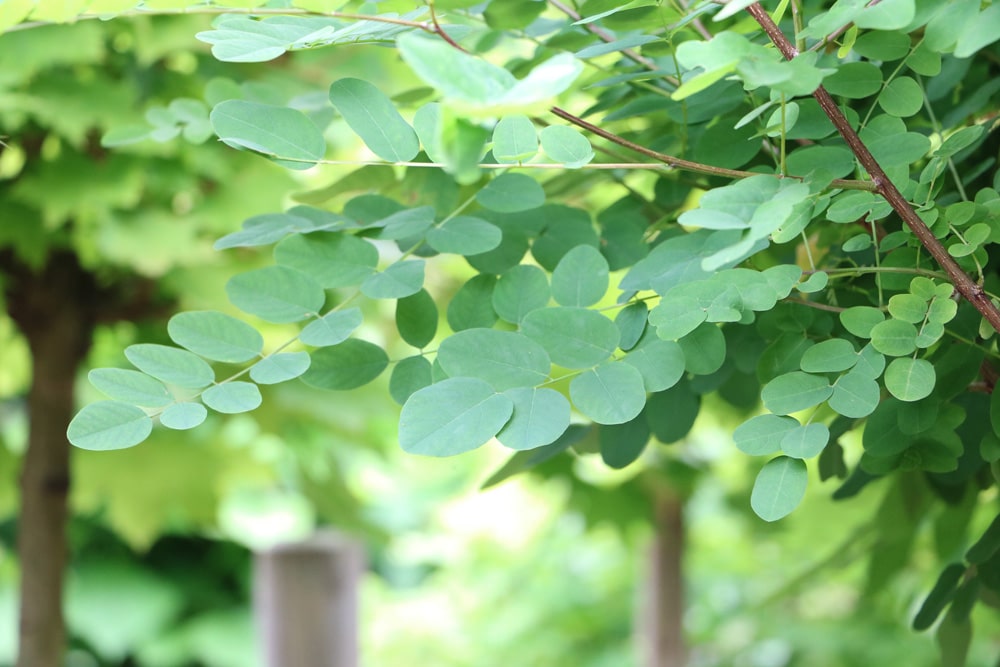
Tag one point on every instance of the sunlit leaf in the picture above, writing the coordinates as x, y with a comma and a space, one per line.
109, 425
779, 488
374, 118
215, 336
451, 417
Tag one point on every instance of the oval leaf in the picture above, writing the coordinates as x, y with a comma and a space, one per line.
276, 294
183, 416
232, 397
779, 488
130, 387
334, 327
280, 367
374, 118
109, 425
540, 416
580, 278
351, 364
171, 365
612, 393
502, 358
451, 417
573, 337
216, 336
276, 131
510, 193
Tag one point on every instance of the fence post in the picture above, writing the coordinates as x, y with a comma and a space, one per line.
306, 601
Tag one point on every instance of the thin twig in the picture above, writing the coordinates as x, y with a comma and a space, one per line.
688, 165
965, 285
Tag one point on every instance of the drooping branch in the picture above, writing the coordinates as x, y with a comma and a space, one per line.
966, 286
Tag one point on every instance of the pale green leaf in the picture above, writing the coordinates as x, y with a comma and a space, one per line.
566, 145
452, 416
829, 356
130, 387
763, 434
171, 365
540, 416
612, 393
465, 235
795, 391
332, 260
279, 132
855, 395
374, 118
661, 363
109, 425
910, 379
334, 327
232, 397
276, 294
521, 290
215, 336
894, 338
805, 442
280, 367
510, 193
573, 337
779, 488
514, 140
504, 359
580, 278
398, 280
183, 416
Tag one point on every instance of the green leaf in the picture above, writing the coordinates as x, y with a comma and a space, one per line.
406, 224
232, 397
351, 364
979, 33
910, 379
332, 260
671, 413
704, 349
631, 323
465, 235
795, 391
374, 118
510, 193
677, 316
829, 356
171, 365
522, 461
514, 140
854, 80
215, 336
472, 305
763, 434
332, 328
109, 425
504, 359
573, 337
779, 488
580, 278
183, 416
410, 375
280, 367
276, 294
894, 338
275, 131
908, 308
855, 395
612, 393
860, 320
398, 280
804, 442
661, 363
130, 387
519, 291
939, 597
566, 145
987, 545
623, 444
540, 416
417, 319
451, 417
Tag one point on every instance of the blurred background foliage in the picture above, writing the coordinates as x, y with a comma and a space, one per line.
541, 569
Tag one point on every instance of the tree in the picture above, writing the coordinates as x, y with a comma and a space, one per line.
804, 212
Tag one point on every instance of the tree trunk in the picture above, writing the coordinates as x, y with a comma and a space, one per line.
661, 628
53, 309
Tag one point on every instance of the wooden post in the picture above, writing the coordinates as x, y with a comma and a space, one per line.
306, 602
661, 628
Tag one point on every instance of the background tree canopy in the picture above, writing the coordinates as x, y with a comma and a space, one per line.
585, 223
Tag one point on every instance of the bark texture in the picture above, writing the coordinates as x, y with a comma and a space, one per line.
53, 308
662, 624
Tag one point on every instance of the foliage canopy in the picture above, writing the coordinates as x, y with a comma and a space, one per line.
806, 223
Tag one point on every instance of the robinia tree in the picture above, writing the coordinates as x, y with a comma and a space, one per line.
792, 206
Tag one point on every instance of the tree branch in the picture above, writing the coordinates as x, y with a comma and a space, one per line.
966, 286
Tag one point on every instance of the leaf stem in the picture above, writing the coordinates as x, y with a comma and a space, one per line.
968, 288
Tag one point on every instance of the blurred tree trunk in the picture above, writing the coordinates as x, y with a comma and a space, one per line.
661, 627
54, 309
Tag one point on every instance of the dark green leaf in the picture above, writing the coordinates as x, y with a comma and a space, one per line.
520, 290
351, 364
622, 444
410, 375
472, 305
580, 278
509, 193
417, 318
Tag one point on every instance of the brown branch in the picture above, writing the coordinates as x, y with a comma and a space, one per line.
687, 165
966, 286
